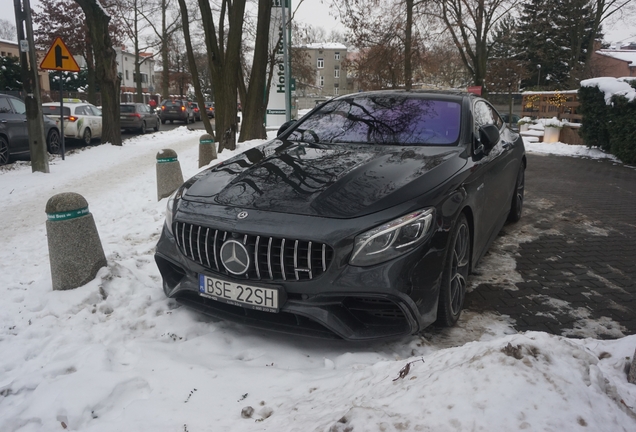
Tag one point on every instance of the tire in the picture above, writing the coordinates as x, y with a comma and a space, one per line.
142, 129
157, 125
163, 122
171, 121
4, 151
53, 142
454, 279
516, 206
86, 138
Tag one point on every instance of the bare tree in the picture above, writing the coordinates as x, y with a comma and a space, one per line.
193, 70
7, 30
97, 21
470, 24
224, 57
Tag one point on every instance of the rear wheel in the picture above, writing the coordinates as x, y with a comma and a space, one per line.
516, 206
4, 151
163, 122
454, 280
53, 142
157, 125
87, 137
143, 127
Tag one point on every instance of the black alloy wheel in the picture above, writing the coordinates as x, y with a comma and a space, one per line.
142, 129
53, 142
87, 136
4, 151
454, 280
516, 206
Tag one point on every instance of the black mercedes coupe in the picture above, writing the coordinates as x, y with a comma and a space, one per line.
362, 220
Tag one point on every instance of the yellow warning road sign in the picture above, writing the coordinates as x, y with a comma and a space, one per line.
59, 58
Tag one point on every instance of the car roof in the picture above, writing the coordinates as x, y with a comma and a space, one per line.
457, 95
67, 104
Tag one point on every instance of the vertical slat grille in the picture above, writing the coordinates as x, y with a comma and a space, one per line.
274, 259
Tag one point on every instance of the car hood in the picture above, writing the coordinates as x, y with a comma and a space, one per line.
328, 180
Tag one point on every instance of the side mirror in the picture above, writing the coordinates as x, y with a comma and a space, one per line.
488, 136
285, 126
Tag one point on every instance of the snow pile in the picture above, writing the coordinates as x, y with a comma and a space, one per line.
611, 86
559, 148
116, 355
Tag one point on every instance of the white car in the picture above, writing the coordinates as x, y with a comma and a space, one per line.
81, 119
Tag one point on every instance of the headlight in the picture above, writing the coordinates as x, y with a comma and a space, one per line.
392, 239
173, 204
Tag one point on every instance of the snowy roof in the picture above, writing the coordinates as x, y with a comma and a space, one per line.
7, 41
624, 55
611, 86
325, 45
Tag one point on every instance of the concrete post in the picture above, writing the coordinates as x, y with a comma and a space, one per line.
169, 176
75, 251
207, 149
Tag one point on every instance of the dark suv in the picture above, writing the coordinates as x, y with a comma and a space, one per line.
137, 116
14, 134
176, 109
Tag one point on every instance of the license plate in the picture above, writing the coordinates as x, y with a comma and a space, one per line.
259, 298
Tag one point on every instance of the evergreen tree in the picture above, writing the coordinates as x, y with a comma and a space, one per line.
10, 71
553, 36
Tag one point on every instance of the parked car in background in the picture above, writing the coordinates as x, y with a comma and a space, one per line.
176, 109
138, 117
209, 109
196, 110
82, 120
362, 220
14, 133
512, 122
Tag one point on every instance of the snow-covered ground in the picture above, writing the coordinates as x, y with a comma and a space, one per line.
116, 355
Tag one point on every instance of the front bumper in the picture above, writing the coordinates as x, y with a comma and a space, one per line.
392, 299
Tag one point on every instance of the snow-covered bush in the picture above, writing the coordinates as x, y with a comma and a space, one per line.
525, 120
608, 107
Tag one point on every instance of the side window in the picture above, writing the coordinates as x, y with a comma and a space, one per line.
498, 121
81, 110
96, 111
5, 108
18, 106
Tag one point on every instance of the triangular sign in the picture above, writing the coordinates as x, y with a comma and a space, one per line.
59, 58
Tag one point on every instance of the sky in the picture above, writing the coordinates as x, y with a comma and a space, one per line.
117, 355
316, 12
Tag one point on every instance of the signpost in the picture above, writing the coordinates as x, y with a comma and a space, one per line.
278, 106
59, 58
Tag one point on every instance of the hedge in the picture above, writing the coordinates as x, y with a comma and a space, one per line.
610, 127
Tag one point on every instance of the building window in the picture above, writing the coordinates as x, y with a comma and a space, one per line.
127, 75
336, 90
336, 72
321, 63
336, 56
322, 81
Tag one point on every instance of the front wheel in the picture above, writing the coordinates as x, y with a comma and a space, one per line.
53, 142
87, 137
454, 280
516, 206
4, 151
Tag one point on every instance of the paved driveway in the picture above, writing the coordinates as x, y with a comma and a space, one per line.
574, 252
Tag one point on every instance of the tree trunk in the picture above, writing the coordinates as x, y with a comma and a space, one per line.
194, 72
139, 96
225, 60
255, 105
165, 72
90, 73
408, 43
105, 68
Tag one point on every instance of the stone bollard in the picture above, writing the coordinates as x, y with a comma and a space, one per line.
75, 251
207, 150
169, 176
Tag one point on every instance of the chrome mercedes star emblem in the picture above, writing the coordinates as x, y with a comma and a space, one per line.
235, 257
242, 215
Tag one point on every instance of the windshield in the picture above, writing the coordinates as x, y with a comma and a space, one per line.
382, 119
